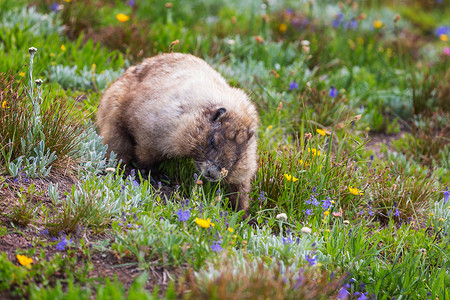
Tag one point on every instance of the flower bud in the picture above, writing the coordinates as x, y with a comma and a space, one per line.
32, 50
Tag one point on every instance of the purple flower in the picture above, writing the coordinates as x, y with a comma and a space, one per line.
343, 293
370, 211
308, 212
389, 212
362, 296
55, 7
397, 213
353, 24
216, 246
63, 243
314, 201
326, 203
287, 240
337, 20
311, 260
333, 92
183, 216
131, 3
443, 30
446, 195
293, 85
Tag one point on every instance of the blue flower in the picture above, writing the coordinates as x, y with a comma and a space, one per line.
362, 296
443, 30
311, 260
343, 293
446, 195
397, 213
287, 240
314, 201
337, 20
308, 212
333, 92
293, 85
183, 216
326, 203
216, 246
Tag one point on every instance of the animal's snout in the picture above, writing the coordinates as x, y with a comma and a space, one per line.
213, 172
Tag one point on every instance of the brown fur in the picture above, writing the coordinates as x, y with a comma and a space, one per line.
176, 105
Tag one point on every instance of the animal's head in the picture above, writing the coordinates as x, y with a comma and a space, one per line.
224, 145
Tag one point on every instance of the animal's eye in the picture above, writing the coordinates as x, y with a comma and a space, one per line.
212, 142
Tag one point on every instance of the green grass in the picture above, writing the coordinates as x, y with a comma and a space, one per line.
332, 215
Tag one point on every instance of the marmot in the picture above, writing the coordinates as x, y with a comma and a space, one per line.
176, 105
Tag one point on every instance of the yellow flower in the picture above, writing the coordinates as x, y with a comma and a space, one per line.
377, 24
204, 223
122, 18
443, 37
270, 127
290, 178
283, 27
21, 74
326, 213
431, 214
321, 132
230, 229
441, 219
301, 162
4, 104
24, 261
63, 48
355, 191
68, 1
314, 151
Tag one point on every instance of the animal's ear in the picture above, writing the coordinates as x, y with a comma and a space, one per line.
218, 114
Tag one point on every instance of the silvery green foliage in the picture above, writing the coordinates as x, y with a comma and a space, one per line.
37, 164
53, 192
441, 218
110, 194
92, 154
261, 242
28, 19
73, 78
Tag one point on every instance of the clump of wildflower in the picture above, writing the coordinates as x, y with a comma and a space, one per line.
314, 151
204, 223
355, 191
24, 260
326, 203
293, 85
321, 131
333, 92
312, 260
343, 292
306, 230
183, 216
122, 17
290, 178
216, 246
377, 24
446, 195
63, 243
282, 217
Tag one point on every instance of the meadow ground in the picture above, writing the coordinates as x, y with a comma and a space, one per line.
351, 198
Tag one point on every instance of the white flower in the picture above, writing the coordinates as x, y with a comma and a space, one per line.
32, 50
306, 230
110, 170
346, 222
305, 43
282, 216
